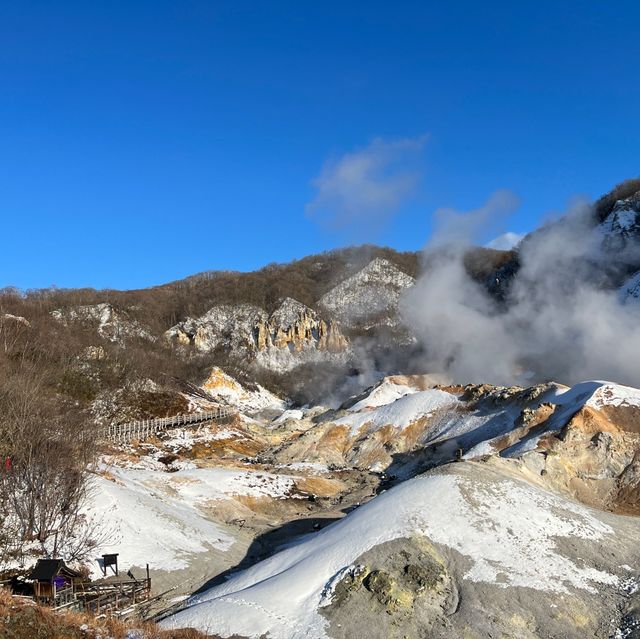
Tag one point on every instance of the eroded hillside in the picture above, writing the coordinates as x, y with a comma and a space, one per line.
474, 496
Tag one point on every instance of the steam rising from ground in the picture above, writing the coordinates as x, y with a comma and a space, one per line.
557, 322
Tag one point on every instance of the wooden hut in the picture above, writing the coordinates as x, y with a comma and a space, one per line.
54, 583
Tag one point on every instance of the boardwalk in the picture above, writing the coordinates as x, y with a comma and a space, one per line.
143, 429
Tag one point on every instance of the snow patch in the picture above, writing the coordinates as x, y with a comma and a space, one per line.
402, 412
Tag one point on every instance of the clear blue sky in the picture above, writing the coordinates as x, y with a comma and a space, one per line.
144, 141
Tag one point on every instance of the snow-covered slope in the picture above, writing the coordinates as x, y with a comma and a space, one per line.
167, 519
148, 522
487, 529
630, 289
401, 412
517, 525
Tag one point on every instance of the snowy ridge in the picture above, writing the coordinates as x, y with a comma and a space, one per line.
401, 412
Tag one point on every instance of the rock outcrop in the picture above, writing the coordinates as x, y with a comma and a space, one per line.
371, 295
224, 389
292, 334
297, 327
110, 323
224, 326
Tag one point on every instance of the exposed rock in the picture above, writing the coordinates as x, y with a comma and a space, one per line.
630, 289
15, 318
94, 353
222, 387
114, 325
372, 293
292, 334
297, 327
622, 226
402, 582
225, 326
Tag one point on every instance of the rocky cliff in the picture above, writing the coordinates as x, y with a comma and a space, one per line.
292, 334
296, 327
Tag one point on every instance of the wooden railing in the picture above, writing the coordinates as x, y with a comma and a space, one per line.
143, 429
108, 598
111, 598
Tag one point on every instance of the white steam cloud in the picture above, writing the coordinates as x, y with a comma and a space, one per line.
450, 227
558, 322
367, 186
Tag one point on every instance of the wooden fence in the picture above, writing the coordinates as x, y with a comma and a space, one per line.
104, 598
143, 429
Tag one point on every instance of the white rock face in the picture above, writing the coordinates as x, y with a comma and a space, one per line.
292, 334
373, 291
8, 317
624, 219
231, 327
112, 324
620, 233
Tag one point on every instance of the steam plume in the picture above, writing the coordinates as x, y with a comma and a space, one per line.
559, 321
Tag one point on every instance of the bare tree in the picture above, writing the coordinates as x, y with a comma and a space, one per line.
43, 483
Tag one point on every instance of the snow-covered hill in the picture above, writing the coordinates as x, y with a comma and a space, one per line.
497, 543
513, 533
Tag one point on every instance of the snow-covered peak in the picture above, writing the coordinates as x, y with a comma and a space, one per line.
374, 290
624, 217
609, 394
381, 271
505, 242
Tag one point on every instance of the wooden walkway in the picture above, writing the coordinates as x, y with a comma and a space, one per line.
143, 429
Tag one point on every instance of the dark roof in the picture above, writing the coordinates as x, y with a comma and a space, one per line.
47, 569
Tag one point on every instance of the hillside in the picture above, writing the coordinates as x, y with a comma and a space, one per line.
112, 351
357, 479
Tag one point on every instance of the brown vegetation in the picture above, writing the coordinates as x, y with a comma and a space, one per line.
45, 448
625, 189
480, 263
21, 619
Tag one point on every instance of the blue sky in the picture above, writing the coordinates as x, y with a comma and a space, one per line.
144, 141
